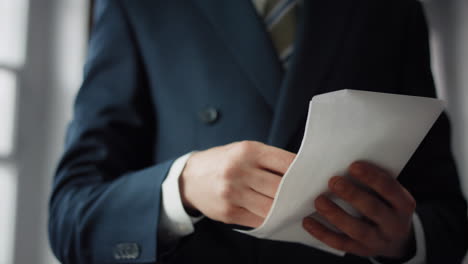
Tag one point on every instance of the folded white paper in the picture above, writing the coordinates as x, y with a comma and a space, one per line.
343, 127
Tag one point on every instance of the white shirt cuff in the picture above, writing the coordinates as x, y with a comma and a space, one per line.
420, 257
174, 221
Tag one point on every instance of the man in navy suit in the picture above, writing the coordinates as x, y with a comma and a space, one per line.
191, 111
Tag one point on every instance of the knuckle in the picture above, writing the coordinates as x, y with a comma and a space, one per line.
226, 191
230, 171
246, 147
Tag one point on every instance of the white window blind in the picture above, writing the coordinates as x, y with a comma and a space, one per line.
13, 15
7, 111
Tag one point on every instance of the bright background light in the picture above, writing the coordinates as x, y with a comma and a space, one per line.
13, 31
8, 187
7, 111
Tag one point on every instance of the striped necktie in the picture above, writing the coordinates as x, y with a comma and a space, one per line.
280, 19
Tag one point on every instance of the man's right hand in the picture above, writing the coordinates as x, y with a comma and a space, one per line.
235, 183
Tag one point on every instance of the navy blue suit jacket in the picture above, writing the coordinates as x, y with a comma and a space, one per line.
153, 66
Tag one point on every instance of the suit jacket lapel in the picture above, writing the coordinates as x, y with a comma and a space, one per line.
244, 34
320, 37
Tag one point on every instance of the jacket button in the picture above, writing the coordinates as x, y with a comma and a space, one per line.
209, 115
126, 251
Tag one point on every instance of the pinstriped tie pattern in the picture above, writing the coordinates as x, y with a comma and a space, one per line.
280, 20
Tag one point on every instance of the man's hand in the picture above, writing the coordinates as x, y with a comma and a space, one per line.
236, 183
386, 228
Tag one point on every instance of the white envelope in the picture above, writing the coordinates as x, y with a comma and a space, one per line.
343, 127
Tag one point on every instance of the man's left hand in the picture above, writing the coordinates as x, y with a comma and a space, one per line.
385, 230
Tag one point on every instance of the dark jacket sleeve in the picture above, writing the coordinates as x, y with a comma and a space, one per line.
106, 191
431, 175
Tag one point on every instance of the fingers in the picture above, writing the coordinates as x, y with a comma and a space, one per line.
357, 229
338, 241
386, 228
367, 204
385, 185
256, 203
234, 183
241, 216
264, 182
275, 160
261, 156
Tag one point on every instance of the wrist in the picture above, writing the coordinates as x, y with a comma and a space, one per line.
183, 188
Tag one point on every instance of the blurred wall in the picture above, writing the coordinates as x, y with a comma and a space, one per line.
57, 37
448, 20
70, 27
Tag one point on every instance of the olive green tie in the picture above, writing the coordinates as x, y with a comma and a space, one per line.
280, 19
